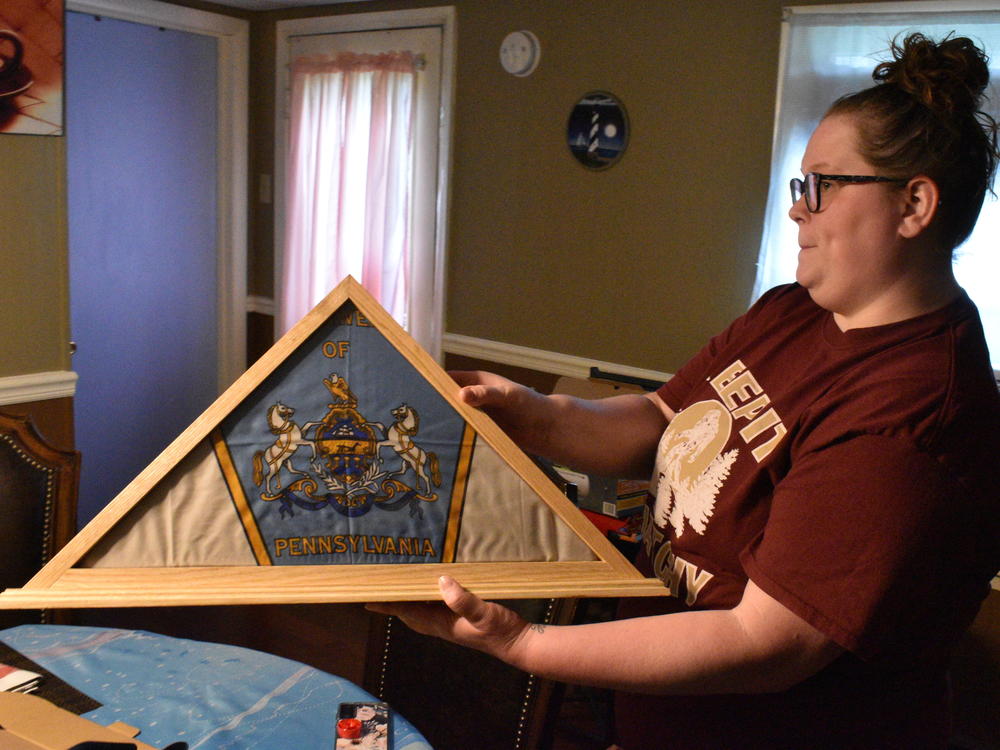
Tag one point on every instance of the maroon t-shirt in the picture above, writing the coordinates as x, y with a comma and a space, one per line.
854, 477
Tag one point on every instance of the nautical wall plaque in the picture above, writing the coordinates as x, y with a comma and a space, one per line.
598, 130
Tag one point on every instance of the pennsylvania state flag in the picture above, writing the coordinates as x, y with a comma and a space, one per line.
346, 454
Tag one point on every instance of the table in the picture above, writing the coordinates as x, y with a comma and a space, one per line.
209, 695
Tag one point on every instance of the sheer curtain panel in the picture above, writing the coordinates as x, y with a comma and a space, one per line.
827, 54
349, 181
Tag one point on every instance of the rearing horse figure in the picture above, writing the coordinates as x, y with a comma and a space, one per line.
289, 439
400, 437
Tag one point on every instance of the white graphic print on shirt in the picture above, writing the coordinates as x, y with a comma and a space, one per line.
691, 467
693, 464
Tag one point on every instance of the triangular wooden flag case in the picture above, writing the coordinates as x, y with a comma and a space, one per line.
341, 467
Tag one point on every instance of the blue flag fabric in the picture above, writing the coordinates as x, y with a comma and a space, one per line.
346, 454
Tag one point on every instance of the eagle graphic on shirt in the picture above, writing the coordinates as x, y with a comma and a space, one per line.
691, 466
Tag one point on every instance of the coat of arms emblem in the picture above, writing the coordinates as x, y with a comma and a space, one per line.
354, 464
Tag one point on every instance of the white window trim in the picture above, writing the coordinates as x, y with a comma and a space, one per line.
910, 6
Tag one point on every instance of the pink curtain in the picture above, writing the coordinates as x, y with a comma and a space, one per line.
349, 180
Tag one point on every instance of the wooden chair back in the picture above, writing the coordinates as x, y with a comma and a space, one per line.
38, 492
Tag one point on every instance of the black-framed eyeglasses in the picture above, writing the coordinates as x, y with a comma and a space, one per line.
811, 186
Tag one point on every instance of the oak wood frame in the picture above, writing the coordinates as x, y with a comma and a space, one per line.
59, 584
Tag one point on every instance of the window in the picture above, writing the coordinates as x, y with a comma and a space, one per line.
830, 51
348, 182
344, 205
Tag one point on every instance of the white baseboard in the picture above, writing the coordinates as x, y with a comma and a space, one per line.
262, 305
540, 360
37, 386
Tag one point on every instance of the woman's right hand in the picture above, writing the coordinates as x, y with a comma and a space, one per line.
524, 414
612, 437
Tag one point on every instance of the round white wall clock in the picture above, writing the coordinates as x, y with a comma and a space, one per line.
519, 53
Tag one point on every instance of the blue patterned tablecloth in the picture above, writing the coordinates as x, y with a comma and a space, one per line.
209, 695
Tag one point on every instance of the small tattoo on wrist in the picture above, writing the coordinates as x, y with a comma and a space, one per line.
538, 627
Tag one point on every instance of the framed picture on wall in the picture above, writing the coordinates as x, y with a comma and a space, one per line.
32, 44
597, 131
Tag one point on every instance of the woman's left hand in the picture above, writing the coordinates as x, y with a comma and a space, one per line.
464, 619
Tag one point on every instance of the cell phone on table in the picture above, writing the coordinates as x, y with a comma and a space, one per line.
364, 725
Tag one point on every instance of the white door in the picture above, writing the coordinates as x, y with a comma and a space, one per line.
429, 33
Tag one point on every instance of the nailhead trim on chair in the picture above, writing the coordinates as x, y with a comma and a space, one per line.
47, 510
385, 657
519, 737
530, 689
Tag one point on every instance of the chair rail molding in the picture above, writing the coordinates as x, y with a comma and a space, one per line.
261, 305
509, 354
37, 386
541, 360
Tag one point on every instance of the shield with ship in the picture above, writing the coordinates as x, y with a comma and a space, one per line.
348, 445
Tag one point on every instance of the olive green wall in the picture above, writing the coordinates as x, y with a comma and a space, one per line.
640, 263
34, 298
637, 264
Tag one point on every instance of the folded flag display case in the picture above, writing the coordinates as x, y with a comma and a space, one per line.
341, 467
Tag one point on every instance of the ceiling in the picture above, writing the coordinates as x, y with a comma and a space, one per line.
274, 4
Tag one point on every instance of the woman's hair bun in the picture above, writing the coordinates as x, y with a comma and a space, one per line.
949, 76
925, 116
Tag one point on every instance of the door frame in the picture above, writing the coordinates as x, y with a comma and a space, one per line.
232, 36
444, 17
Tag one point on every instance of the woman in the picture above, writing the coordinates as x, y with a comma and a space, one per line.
824, 471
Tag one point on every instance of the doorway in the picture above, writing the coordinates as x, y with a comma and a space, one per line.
430, 34
147, 253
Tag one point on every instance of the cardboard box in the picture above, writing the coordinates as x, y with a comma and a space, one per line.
33, 723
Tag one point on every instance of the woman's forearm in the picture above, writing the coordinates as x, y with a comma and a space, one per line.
614, 436
758, 647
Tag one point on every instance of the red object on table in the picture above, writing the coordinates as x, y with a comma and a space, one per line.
349, 729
